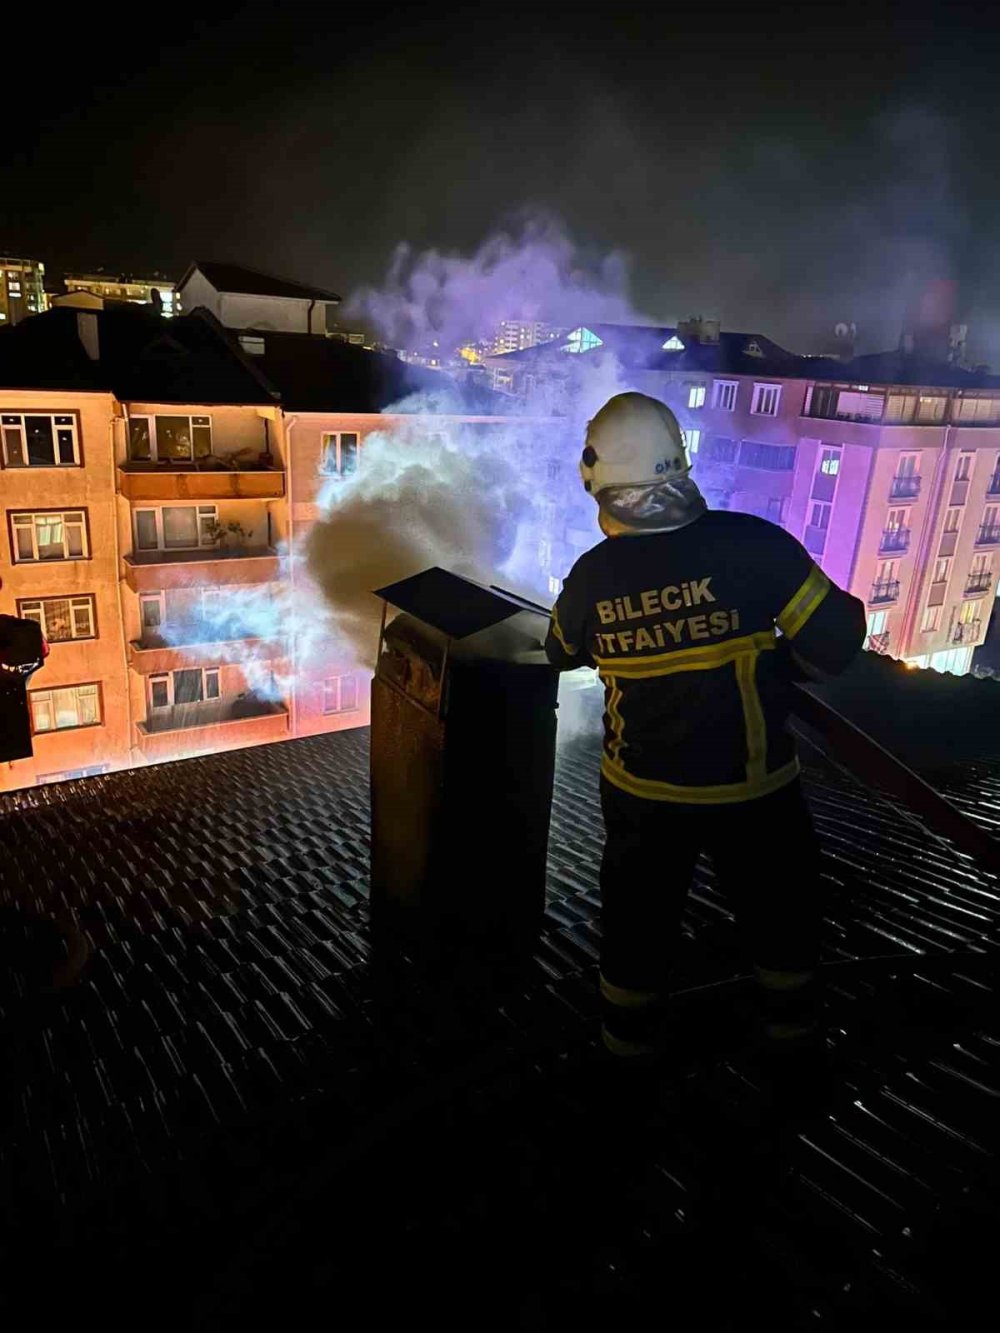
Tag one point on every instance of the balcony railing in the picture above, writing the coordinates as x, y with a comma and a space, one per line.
149, 571
208, 714
968, 632
978, 583
885, 590
878, 643
994, 487
904, 488
895, 539
166, 481
988, 535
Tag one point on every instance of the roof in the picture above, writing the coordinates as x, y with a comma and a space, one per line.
249, 282
312, 373
143, 357
641, 347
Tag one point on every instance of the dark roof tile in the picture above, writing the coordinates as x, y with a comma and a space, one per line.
249, 282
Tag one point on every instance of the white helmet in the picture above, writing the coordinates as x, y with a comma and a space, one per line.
633, 440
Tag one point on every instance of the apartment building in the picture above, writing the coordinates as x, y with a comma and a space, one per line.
886, 467
22, 289
144, 289
155, 479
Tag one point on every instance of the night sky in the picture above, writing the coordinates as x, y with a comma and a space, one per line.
782, 166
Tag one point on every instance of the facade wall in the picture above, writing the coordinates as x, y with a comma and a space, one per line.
89, 487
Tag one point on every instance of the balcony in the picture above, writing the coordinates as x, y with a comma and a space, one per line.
151, 655
994, 487
886, 590
155, 571
198, 728
968, 632
159, 482
978, 583
894, 540
904, 488
988, 535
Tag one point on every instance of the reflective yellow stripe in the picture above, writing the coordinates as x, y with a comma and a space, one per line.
804, 603
651, 790
617, 721
687, 659
626, 998
774, 980
746, 678
619, 1047
557, 631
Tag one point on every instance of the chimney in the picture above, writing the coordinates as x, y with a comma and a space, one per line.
87, 331
699, 330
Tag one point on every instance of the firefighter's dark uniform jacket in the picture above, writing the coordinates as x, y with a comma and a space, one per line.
681, 626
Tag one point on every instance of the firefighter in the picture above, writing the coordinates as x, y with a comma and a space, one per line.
698, 621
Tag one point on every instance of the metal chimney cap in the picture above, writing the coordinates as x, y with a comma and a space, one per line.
447, 602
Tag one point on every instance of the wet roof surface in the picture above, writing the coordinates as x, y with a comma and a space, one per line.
228, 1117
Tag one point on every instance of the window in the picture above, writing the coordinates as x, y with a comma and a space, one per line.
252, 345
61, 618
931, 621
930, 409
673, 344
908, 466
340, 694
830, 462
176, 527
952, 520
340, 453
719, 450
93, 771
724, 395
900, 407
49, 535
545, 553
169, 439
877, 621
60, 710
770, 457
896, 520
554, 469
977, 409
39, 440
582, 340
963, 468
776, 509
981, 564
886, 571
189, 685
820, 517
696, 395
555, 586
941, 570
766, 398
970, 613
151, 611
753, 348
692, 438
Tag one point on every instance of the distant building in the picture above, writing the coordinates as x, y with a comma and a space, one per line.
22, 289
886, 467
148, 290
513, 335
242, 298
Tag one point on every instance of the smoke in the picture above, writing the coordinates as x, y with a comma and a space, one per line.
531, 270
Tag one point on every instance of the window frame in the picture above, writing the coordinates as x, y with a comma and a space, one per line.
830, 455
760, 389
157, 676
56, 689
151, 419
22, 603
340, 710
201, 512
692, 440
697, 393
720, 390
13, 526
933, 614
72, 413
324, 445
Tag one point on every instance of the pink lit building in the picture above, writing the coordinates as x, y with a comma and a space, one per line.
886, 467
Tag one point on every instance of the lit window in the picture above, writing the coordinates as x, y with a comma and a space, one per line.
49, 535
830, 463
253, 346
169, 439
753, 348
60, 710
340, 453
187, 685
696, 395
39, 441
673, 344
555, 586
61, 618
176, 527
877, 621
766, 398
963, 470
340, 695
724, 395
692, 438
582, 340
931, 620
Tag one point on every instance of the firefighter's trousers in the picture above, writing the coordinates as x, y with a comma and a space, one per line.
765, 854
